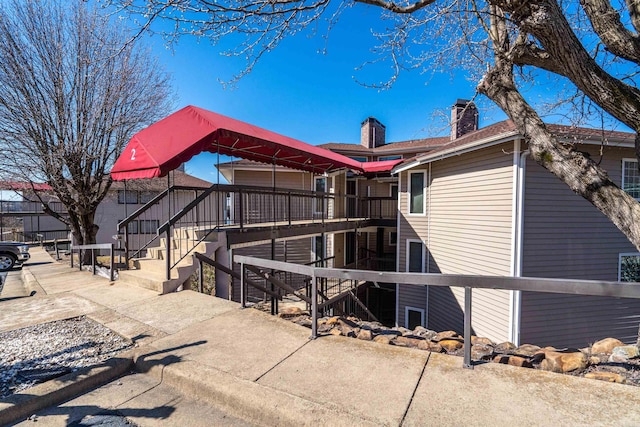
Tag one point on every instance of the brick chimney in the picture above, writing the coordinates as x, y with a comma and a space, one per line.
464, 118
372, 133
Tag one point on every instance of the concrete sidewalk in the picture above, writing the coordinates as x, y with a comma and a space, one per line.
204, 361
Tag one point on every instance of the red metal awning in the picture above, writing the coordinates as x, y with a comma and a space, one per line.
165, 145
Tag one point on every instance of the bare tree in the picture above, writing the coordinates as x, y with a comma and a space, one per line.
594, 45
73, 90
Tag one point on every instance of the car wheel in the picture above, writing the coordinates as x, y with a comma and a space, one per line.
6, 262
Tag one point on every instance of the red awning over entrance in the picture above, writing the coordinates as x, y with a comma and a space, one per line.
165, 145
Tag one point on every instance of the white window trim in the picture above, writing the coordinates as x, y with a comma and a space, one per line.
406, 315
391, 189
424, 194
407, 257
620, 262
625, 161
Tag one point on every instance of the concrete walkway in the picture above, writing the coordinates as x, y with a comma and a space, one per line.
204, 361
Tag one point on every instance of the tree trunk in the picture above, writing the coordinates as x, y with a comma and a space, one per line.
84, 232
581, 174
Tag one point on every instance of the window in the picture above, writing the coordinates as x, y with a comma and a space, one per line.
320, 186
629, 267
146, 196
149, 226
416, 193
631, 177
415, 256
132, 227
383, 158
317, 249
413, 317
393, 190
132, 197
359, 159
393, 238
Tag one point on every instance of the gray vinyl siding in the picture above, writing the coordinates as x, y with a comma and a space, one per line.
564, 236
411, 296
467, 230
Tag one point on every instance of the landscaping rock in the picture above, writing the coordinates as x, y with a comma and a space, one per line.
365, 334
288, 312
384, 338
518, 361
481, 341
335, 331
407, 341
504, 348
624, 353
451, 345
425, 333
481, 351
445, 334
527, 350
606, 345
611, 377
567, 361
430, 346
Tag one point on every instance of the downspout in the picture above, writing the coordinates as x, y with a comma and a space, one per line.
428, 242
398, 212
516, 264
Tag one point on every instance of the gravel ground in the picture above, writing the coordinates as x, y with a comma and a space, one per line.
35, 354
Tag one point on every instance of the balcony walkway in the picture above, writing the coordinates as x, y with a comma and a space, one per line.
249, 368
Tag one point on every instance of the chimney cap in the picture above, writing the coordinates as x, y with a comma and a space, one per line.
461, 102
372, 120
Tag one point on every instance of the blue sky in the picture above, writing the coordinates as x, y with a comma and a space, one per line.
311, 96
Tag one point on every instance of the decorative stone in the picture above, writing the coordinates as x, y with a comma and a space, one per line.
527, 350
450, 345
445, 334
611, 377
517, 361
407, 341
425, 333
384, 338
481, 352
430, 346
292, 311
335, 331
333, 320
504, 348
606, 345
481, 341
365, 334
624, 353
568, 361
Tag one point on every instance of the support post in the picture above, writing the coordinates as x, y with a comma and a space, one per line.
243, 274
93, 261
241, 209
112, 270
467, 328
168, 244
314, 307
200, 276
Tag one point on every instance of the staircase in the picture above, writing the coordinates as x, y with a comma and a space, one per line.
151, 271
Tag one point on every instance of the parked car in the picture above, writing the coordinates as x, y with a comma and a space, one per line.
12, 253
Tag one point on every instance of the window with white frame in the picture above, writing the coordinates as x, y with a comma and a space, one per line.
415, 256
128, 197
318, 249
413, 317
631, 177
416, 192
629, 267
148, 226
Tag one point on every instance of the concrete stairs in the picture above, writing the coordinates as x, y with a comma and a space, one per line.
150, 271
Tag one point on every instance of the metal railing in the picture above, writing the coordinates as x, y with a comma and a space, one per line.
186, 217
559, 286
93, 249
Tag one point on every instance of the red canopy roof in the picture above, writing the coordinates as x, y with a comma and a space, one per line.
167, 144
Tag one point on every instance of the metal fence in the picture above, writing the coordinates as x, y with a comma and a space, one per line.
559, 286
